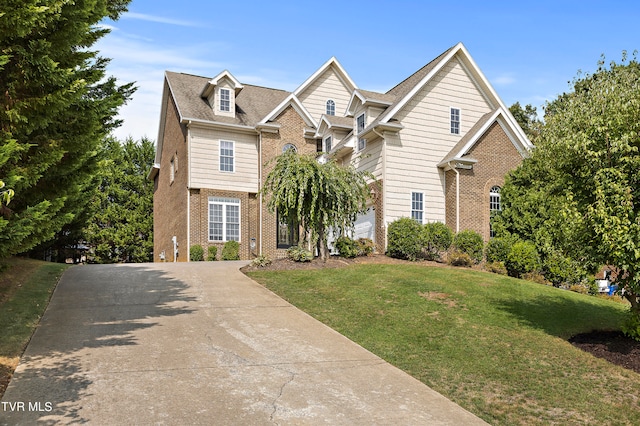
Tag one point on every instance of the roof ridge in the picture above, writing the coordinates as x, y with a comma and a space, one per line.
395, 90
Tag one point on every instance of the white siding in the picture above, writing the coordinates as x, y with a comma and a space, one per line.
426, 139
205, 161
370, 158
326, 86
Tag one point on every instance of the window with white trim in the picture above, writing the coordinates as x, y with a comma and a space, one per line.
226, 156
224, 219
362, 144
289, 147
225, 100
360, 123
331, 107
417, 206
494, 207
455, 121
328, 141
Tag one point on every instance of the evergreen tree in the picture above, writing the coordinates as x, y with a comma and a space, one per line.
55, 110
121, 226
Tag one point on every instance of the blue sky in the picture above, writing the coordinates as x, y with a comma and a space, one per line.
529, 51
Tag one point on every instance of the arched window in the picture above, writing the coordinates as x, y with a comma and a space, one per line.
331, 107
494, 207
288, 147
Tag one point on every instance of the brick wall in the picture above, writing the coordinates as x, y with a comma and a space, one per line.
496, 156
248, 220
170, 198
291, 131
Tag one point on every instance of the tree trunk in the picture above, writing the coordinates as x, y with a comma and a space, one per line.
323, 251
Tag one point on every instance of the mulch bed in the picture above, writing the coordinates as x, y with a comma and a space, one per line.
613, 346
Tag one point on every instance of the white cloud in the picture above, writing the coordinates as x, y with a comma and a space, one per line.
160, 19
506, 79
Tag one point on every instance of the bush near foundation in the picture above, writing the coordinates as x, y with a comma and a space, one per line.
469, 242
231, 250
212, 253
196, 253
406, 238
522, 258
438, 239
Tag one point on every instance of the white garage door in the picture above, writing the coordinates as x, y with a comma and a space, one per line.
365, 226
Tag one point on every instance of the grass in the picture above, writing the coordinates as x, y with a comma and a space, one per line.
26, 286
493, 344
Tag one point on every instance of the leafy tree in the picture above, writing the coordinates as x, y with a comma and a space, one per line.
584, 173
56, 108
527, 118
318, 196
121, 227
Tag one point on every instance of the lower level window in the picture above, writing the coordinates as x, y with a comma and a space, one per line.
417, 206
288, 232
224, 219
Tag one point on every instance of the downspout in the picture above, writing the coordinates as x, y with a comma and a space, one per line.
188, 190
457, 196
259, 194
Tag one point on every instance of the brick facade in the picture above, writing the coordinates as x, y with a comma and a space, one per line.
170, 197
496, 157
291, 132
199, 220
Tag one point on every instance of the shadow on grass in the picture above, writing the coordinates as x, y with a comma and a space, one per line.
93, 307
564, 315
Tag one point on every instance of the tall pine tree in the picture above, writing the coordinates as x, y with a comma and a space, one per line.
56, 108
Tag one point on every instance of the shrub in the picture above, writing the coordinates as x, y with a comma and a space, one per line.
631, 327
213, 252
405, 239
347, 247
469, 242
299, 254
231, 250
497, 249
458, 258
196, 253
365, 246
536, 277
261, 261
496, 268
560, 269
522, 258
438, 238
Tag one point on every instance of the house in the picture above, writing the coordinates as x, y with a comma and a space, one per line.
440, 143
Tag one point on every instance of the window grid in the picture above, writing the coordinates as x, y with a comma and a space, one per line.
417, 206
226, 156
455, 121
494, 207
331, 107
224, 219
225, 100
327, 144
360, 122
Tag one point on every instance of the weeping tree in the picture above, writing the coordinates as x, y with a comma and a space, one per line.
317, 195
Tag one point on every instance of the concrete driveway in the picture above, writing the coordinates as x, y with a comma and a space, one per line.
201, 343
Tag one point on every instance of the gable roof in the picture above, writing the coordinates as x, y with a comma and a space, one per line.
211, 84
332, 62
409, 87
293, 101
459, 152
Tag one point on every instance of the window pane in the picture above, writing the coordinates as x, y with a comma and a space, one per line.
226, 156
224, 100
331, 107
215, 222
455, 121
416, 206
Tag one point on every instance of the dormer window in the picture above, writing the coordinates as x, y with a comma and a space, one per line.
328, 141
331, 107
225, 100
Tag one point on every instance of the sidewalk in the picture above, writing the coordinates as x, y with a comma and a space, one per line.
201, 343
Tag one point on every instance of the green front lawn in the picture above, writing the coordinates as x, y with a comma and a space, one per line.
493, 344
